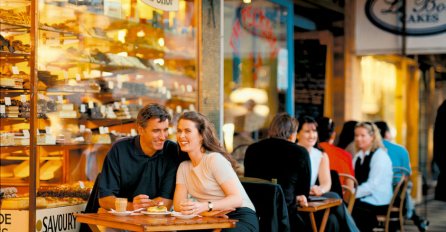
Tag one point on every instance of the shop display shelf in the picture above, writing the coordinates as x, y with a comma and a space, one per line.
13, 54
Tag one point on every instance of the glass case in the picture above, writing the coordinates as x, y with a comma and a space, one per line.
98, 62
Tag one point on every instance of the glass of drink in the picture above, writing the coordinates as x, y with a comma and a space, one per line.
121, 204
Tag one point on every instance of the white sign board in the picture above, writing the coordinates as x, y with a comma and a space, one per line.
166, 5
379, 27
52, 219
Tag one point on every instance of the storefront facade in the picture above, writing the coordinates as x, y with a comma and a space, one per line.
385, 80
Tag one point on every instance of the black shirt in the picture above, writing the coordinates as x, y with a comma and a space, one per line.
128, 172
285, 161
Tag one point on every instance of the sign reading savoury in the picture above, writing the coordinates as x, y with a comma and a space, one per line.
309, 82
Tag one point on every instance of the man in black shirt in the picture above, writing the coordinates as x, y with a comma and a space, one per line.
141, 168
279, 157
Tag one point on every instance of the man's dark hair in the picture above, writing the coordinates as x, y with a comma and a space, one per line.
383, 128
325, 128
149, 111
282, 126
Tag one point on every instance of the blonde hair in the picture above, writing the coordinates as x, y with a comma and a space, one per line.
373, 131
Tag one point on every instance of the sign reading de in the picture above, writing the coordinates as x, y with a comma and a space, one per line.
423, 17
166, 5
389, 26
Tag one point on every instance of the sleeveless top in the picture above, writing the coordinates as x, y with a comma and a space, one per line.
362, 170
315, 159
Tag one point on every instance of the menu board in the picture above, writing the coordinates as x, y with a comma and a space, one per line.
309, 83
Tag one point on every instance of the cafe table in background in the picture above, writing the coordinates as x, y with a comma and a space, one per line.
314, 206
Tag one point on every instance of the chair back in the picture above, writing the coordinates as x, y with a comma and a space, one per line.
238, 154
395, 212
349, 187
271, 208
92, 204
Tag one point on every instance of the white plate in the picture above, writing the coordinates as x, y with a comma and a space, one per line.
183, 216
156, 213
125, 213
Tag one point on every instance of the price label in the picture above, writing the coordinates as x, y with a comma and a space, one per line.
78, 77
191, 107
90, 105
48, 130
168, 94
2, 109
111, 84
133, 132
140, 101
119, 84
101, 130
7, 101
81, 128
103, 109
106, 130
50, 139
26, 134
110, 110
189, 88
59, 99
123, 100
117, 105
81, 184
15, 70
83, 108
23, 98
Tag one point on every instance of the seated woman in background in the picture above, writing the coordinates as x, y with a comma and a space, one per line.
373, 170
209, 176
320, 171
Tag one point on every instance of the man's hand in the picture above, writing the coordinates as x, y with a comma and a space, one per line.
142, 201
301, 200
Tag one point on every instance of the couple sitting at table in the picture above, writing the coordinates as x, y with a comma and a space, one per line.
145, 170
296, 167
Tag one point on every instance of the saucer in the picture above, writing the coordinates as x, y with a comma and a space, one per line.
183, 216
125, 213
156, 214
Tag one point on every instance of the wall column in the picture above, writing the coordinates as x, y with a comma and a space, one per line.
210, 48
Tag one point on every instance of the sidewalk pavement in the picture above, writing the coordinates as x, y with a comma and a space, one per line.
434, 211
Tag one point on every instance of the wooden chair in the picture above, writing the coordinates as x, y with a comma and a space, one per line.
395, 212
270, 204
349, 187
256, 180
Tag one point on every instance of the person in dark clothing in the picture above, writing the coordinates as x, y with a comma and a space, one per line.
440, 151
141, 168
280, 158
347, 136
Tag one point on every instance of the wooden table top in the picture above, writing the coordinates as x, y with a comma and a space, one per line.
314, 206
151, 223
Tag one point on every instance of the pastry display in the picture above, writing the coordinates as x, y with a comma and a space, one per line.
93, 74
67, 190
